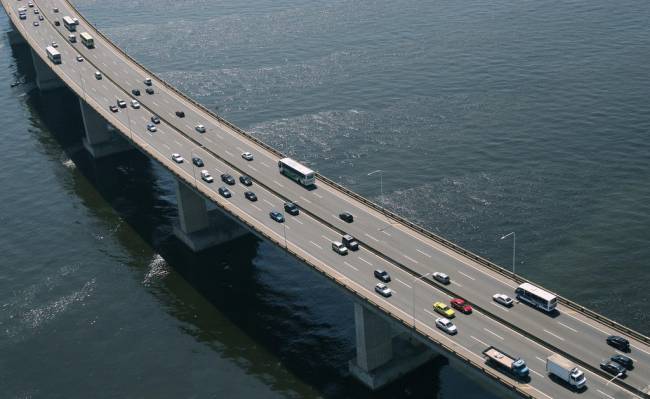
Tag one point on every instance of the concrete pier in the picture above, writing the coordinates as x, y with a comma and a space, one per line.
383, 355
199, 228
100, 139
46, 79
15, 38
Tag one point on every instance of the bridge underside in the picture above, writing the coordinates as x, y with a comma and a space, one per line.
101, 139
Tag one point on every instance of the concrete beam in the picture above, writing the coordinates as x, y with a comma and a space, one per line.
100, 139
46, 79
199, 228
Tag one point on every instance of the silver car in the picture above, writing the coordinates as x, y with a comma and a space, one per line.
446, 325
200, 128
383, 290
177, 158
205, 175
503, 299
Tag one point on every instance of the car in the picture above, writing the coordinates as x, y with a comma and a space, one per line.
205, 175
444, 310
151, 127
226, 178
180, 114
461, 305
113, 108
441, 278
30, 4
55, 44
55, 9
199, 128
135, 104
250, 196
503, 299
36, 23
350, 242
98, 75
72, 38
291, 208
177, 158
136, 92
339, 248
277, 216
155, 119
346, 217
382, 275
149, 90
619, 343
23, 16
623, 361
197, 161
147, 81
36, 11
121, 103
57, 23
40, 18
80, 58
613, 368
76, 21
247, 156
446, 325
383, 290
225, 192
246, 180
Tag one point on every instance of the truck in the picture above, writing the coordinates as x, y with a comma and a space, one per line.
565, 370
510, 364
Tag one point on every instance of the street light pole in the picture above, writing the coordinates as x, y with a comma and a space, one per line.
514, 245
381, 180
284, 229
415, 280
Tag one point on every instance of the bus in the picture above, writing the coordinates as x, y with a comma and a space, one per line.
297, 172
537, 297
53, 54
87, 40
69, 23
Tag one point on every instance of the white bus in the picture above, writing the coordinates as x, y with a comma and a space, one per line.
70, 24
536, 296
53, 54
297, 172
87, 40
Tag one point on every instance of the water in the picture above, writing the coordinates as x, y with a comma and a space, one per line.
486, 117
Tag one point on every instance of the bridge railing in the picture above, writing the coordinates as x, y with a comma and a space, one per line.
438, 239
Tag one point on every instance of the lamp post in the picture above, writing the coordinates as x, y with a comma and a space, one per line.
415, 280
284, 229
381, 180
514, 244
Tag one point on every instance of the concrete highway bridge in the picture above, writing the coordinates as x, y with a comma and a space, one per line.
393, 334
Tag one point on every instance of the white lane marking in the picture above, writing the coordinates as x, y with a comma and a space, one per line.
297, 220
400, 281
478, 340
265, 165
364, 261
349, 265
209, 140
166, 146
219, 171
155, 103
564, 325
326, 238
305, 199
287, 226
93, 89
556, 336
540, 359
371, 237
455, 283
584, 322
499, 306
268, 202
411, 259
493, 333
239, 149
424, 253
252, 167
177, 143
229, 153
635, 347
256, 207
466, 275
316, 244
274, 181
604, 394
539, 374
385, 232
431, 313
220, 136
318, 195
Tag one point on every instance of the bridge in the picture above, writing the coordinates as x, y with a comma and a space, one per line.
393, 335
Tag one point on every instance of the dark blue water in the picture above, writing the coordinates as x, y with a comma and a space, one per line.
485, 116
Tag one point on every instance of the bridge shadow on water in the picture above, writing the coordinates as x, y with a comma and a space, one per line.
246, 281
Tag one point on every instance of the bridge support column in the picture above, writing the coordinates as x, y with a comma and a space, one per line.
46, 79
15, 38
383, 355
100, 139
198, 227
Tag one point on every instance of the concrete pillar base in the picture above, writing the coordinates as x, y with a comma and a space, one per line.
15, 38
105, 149
46, 79
101, 139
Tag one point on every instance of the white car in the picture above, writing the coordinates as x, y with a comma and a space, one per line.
441, 277
383, 290
80, 58
151, 127
98, 75
247, 156
205, 175
135, 104
339, 248
177, 158
503, 299
147, 81
55, 44
446, 325
200, 128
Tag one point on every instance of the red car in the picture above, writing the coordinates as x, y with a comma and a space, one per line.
461, 305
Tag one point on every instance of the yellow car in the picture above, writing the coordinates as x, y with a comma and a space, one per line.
444, 310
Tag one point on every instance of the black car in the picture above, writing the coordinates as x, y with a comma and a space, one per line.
291, 208
619, 343
121, 103
57, 23
623, 361
113, 108
613, 368
245, 180
197, 161
250, 196
136, 92
226, 178
346, 217
155, 119
277, 216
225, 192
149, 90
382, 275
180, 114
350, 242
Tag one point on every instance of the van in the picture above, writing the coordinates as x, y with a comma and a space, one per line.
339, 248
72, 38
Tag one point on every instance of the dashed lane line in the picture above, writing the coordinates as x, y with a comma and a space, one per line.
349, 265
556, 336
424, 253
467, 275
